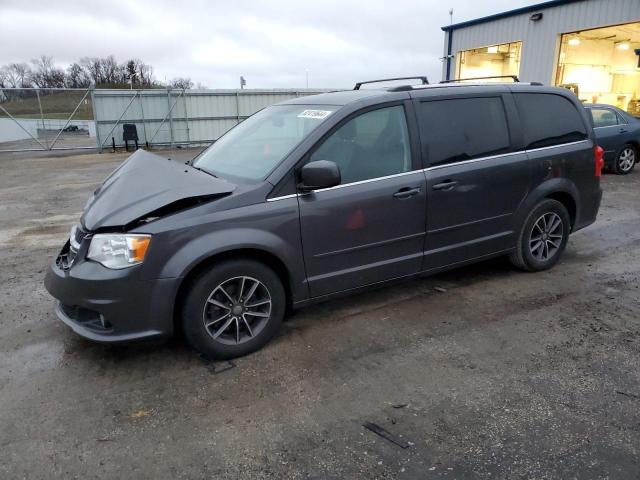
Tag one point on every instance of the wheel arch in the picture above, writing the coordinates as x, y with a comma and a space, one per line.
251, 253
566, 199
559, 189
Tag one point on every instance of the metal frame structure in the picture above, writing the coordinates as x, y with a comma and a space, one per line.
46, 146
164, 117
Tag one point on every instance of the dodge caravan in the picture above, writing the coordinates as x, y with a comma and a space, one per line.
326, 195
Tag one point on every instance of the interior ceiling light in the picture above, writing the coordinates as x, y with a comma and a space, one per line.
574, 41
623, 46
493, 49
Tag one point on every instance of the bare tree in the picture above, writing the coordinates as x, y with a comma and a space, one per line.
77, 77
146, 74
16, 75
93, 68
181, 82
45, 74
102, 72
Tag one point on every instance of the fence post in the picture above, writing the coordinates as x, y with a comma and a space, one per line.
95, 117
144, 122
41, 118
237, 107
186, 116
170, 115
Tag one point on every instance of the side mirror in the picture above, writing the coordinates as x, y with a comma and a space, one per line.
319, 174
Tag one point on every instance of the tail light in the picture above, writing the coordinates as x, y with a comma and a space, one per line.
599, 155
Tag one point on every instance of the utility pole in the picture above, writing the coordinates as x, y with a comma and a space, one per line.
306, 72
243, 82
451, 17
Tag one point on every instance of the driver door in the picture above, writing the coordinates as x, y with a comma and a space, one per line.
371, 227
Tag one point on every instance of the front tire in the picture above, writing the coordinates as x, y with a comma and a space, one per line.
233, 308
625, 160
543, 237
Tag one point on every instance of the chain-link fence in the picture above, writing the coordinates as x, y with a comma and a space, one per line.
57, 119
46, 119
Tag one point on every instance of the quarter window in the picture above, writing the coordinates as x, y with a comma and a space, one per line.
462, 129
603, 117
373, 144
548, 120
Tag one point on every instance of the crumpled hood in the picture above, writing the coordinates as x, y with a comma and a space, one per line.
143, 184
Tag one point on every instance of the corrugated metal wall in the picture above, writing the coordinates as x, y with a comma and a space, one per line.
177, 116
540, 40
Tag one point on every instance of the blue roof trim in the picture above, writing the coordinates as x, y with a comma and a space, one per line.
509, 13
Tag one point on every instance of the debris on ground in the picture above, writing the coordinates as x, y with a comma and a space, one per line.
378, 430
626, 394
140, 413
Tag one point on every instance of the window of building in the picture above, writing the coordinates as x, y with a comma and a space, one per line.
600, 65
491, 61
462, 129
371, 145
548, 120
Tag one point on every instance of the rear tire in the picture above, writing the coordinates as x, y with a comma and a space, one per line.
625, 160
543, 237
233, 308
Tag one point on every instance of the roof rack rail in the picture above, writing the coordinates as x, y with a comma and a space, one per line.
422, 78
512, 77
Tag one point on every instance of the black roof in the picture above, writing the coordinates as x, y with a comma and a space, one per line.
345, 97
509, 13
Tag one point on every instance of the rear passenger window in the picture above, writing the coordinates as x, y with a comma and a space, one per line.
462, 129
603, 117
549, 119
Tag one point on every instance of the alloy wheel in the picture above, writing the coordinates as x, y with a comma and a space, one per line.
626, 159
237, 310
546, 236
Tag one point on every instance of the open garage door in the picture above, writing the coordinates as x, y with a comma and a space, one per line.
601, 65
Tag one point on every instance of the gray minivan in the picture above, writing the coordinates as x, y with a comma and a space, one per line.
325, 195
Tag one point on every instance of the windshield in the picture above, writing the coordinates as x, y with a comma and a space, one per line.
255, 147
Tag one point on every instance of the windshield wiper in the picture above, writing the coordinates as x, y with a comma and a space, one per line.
205, 171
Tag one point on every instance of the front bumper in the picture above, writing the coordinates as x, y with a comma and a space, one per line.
111, 306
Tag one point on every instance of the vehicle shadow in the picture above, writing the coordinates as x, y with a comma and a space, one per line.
175, 350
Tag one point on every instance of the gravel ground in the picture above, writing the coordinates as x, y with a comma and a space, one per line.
481, 372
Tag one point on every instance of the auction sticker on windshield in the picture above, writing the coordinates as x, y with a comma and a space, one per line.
318, 114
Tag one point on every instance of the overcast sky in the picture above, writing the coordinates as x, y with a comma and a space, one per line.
271, 42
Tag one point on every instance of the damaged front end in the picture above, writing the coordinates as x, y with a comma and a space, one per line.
145, 188
99, 294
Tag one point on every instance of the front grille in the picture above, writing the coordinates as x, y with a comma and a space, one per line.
66, 258
77, 236
70, 251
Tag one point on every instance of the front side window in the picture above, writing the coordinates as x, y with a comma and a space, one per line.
462, 129
252, 149
371, 145
549, 119
603, 117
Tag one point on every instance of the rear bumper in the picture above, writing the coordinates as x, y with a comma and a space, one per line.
111, 306
589, 210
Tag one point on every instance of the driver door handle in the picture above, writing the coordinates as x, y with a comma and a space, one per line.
406, 192
446, 185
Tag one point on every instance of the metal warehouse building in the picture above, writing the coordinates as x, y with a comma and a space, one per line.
589, 46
